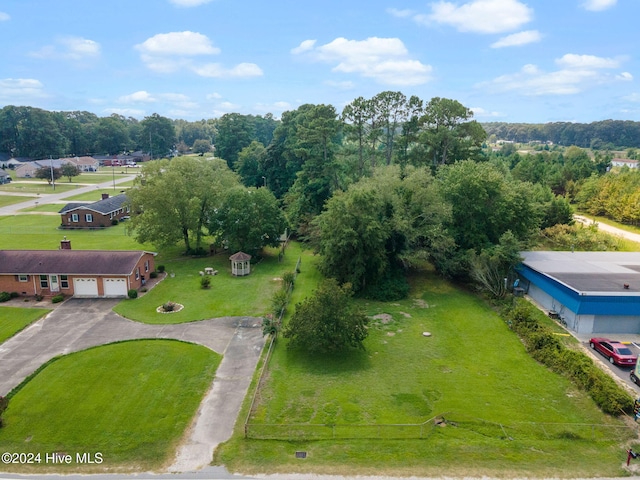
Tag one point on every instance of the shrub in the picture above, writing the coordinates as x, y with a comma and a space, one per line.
545, 347
58, 298
161, 268
133, 293
153, 274
39, 298
114, 221
5, 296
287, 280
169, 306
205, 282
391, 287
278, 302
14, 294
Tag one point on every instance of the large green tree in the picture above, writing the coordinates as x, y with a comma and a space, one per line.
158, 135
327, 322
171, 201
248, 219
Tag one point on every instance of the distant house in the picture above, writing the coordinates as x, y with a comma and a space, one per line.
94, 215
4, 177
28, 169
621, 162
84, 164
78, 273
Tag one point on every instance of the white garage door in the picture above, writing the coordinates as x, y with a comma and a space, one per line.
115, 287
85, 287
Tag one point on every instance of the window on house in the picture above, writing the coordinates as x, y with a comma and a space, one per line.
44, 281
88, 218
146, 266
23, 278
74, 217
64, 281
138, 273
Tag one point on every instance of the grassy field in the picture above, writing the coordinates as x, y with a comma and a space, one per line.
472, 371
11, 199
228, 295
130, 401
41, 232
96, 195
13, 319
36, 187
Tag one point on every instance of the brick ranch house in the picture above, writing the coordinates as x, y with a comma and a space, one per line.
78, 273
94, 215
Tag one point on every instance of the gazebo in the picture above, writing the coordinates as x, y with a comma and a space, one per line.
240, 264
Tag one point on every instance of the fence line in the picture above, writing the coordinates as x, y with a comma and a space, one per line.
270, 350
515, 431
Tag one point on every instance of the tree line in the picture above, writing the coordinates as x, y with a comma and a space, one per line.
602, 135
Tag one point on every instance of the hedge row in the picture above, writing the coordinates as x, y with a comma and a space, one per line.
545, 347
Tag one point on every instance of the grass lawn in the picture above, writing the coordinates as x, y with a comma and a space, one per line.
130, 401
14, 319
36, 187
96, 195
11, 199
21, 232
473, 371
228, 295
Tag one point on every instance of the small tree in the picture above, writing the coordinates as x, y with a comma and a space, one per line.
69, 170
49, 174
201, 146
327, 321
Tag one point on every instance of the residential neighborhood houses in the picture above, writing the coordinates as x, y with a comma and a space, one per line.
26, 167
104, 213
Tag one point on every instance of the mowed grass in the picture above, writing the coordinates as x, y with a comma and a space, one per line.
228, 295
15, 319
11, 199
130, 401
19, 232
96, 195
472, 370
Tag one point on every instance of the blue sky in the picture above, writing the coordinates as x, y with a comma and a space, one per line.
508, 60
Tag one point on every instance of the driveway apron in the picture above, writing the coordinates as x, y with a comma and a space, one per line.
82, 323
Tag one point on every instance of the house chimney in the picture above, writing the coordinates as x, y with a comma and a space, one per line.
65, 244
105, 196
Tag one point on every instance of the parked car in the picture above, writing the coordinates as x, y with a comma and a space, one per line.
617, 353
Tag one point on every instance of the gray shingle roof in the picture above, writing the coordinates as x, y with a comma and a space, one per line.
104, 207
68, 262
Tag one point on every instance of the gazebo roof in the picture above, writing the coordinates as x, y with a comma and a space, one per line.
240, 257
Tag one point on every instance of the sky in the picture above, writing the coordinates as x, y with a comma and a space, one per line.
533, 61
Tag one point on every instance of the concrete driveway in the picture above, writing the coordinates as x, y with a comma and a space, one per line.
78, 324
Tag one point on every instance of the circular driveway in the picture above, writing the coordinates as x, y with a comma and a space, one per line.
78, 324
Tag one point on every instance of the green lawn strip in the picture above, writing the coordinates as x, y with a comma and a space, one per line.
21, 232
227, 296
473, 370
130, 401
96, 194
11, 199
36, 187
45, 208
15, 319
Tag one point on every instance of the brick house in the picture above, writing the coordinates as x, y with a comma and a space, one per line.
78, 273
94, 215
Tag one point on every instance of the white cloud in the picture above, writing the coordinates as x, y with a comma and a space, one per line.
518, 39
577, 73
69, 48
172, 52
215, 70
481, 112
480, 16
384, 59
276, 108
213, 96
126, 112
21, 88
346, 85
4, 17
185, 44
137, 97
303, 47
571, 60
634, 97
598, 5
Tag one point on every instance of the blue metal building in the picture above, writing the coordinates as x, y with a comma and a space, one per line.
593, 292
